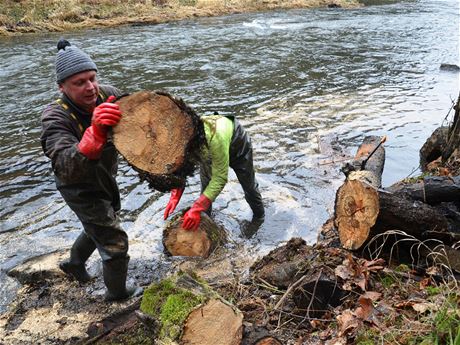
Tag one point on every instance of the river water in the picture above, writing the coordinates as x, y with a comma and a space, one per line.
307, 84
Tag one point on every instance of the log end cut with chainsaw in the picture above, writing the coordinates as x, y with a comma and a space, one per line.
158, 136
356, 211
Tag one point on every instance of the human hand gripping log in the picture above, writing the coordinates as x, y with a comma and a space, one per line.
105, 115
192, 217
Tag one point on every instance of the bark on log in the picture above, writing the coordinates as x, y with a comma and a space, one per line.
453, 140
160, 137
307, 273
431, 190
433, 147
201, 242
413, 217
318, 292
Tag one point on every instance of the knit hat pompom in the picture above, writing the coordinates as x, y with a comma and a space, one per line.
62, 44
70, 60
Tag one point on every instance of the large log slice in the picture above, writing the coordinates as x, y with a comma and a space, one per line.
160, 137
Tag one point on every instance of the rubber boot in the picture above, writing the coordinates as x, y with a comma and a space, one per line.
81, 250
115, 273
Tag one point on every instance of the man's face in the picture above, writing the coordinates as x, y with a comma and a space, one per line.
82, 88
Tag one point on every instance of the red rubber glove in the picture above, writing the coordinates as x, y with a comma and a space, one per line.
105, 115
173, 201
192, 217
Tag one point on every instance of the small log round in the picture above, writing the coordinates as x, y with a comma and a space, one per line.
159, 136
356, 210
201, 242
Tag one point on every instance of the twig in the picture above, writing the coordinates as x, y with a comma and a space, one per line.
291, 287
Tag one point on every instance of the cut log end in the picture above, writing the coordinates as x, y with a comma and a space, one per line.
356, 210
153, 133
201, 242
213, 323
160, 137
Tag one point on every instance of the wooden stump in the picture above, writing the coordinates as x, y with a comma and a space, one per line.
186, 311
213, 323
160, 137
201, 242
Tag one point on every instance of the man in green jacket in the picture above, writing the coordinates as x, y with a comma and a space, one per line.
228, 145
76, 137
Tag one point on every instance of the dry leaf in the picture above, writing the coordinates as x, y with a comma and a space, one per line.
372, 295
423, 307
365, 308
347, 322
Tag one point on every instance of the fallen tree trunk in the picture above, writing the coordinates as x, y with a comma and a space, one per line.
160, 137
431, 190
307, 273
362, 210
201, 242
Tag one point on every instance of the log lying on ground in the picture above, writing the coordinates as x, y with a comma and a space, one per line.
201, 242
160, 137
307, 274
363, 211
431, 190
189, 312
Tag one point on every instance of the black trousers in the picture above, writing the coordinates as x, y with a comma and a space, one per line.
101, 223
241, 161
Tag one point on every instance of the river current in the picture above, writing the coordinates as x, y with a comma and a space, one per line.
308, 85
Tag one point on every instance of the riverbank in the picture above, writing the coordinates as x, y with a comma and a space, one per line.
20, 17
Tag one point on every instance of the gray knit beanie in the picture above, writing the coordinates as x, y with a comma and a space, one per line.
70, 60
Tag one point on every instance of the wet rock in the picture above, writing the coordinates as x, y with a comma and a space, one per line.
449, 67
39, 268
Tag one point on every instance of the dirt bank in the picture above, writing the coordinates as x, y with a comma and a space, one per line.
21, 16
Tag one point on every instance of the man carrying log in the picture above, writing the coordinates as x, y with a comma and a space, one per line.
76, 137
228, 144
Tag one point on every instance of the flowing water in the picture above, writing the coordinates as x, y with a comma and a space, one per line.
307, 85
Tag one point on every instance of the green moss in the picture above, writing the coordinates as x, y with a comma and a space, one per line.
402, 268
433, 290
387, 281
170, 305
174, 312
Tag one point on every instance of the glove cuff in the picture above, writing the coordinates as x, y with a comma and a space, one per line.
92, 143
176, 193
203, 203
